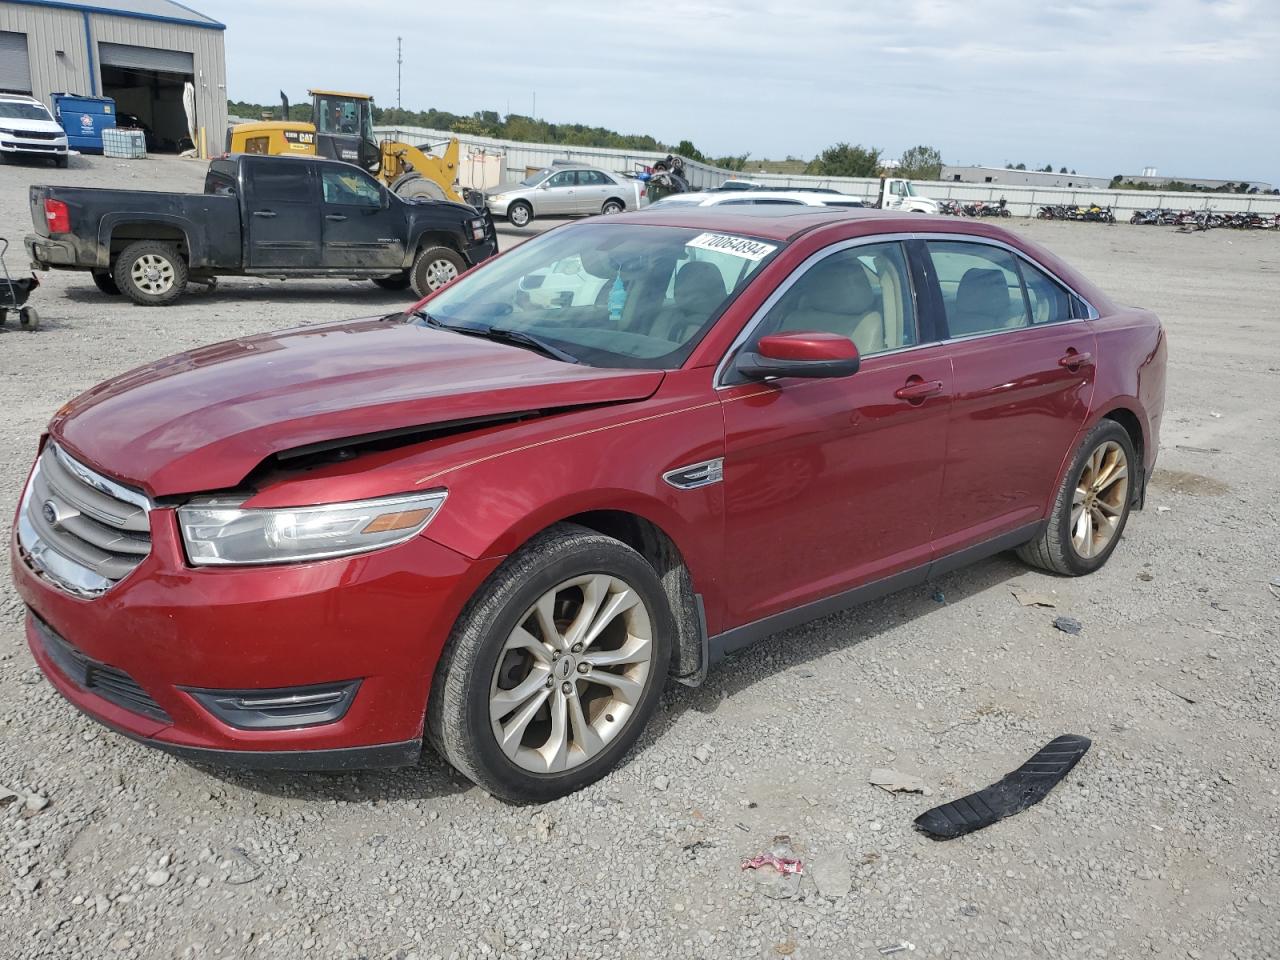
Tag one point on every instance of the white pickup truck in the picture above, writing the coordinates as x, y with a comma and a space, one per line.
897, 194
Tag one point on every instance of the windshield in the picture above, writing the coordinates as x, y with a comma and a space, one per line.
345, 116
533, 179
23, 111
609, 295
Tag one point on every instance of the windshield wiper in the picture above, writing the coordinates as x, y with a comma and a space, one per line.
516, 338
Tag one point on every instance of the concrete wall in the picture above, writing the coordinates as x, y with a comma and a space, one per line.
49, 29
1023, 200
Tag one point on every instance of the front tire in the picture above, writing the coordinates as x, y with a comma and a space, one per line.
151, 273
519, 214
433, 268
1091, 508
554, 667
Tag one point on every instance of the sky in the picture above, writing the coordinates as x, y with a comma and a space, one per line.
1189, 87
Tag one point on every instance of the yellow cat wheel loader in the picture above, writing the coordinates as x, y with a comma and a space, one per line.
343, 130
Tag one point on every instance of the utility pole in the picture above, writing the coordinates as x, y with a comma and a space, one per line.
399, 60
535, 106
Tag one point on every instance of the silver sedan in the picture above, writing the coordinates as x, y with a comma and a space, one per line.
564, 191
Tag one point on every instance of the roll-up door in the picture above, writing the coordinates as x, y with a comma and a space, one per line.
15, 68
146, 58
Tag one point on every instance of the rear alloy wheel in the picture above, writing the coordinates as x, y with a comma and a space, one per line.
434, 267
151, 273
1091, 508
611, 207
554, 667
519, 214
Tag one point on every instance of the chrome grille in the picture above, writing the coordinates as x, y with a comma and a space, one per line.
79, 529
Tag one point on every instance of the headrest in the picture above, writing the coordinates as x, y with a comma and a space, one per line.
699, 286
838, 285
983, 291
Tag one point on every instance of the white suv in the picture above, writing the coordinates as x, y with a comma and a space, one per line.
718, 198
27, 127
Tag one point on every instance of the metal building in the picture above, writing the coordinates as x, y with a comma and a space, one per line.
1023, 178
142, 53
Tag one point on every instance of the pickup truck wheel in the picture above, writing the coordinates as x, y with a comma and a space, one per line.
60, 162
1091, 508
399, 281
151, 273
553, 668
435, 267
103, 280
519, 214
612, 206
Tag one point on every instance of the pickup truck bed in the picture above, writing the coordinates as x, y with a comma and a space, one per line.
264, 216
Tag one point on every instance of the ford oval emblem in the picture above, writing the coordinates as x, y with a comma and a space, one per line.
50, 512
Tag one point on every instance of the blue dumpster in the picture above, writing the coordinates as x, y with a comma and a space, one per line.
84, 119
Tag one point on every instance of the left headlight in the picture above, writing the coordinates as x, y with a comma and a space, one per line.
219, 534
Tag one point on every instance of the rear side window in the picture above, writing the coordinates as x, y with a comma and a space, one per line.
1049, 302
288, 182
863, 293
981, 289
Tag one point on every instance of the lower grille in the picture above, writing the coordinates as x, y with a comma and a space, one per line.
110, 683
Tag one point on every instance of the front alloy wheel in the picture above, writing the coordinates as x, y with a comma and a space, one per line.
571, 673
554, 667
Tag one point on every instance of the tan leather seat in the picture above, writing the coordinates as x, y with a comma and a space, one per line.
699, 290
836, 297
984, 302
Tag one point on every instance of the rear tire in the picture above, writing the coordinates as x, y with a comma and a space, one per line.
519, 214
151, 273
433, 268
612, 207
580, 717
104, 281
399, 281
1091, 507
28, 319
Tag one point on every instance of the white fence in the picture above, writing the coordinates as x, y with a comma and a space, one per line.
1023, 201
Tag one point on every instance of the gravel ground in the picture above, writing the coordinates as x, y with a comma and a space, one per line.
1164, 841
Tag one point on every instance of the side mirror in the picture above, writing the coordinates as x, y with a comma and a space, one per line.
544, 185
810, 355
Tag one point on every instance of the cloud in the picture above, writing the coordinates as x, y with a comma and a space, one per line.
1098, 86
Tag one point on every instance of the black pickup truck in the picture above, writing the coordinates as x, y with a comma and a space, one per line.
260, 216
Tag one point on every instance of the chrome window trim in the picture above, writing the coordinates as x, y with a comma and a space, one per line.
762, 311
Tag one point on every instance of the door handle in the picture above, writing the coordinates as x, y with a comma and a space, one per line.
917, 391
265, 214
334, 217
1072, 360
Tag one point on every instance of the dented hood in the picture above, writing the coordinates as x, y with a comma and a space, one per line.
203, 420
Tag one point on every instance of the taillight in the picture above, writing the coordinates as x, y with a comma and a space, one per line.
58, 216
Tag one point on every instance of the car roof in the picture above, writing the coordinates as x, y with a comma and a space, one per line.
772, 222
19, 98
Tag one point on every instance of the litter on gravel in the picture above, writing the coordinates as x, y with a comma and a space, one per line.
1068, 624
1031, 598
895, 781
1013, 793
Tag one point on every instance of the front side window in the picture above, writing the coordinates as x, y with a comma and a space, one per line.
863, 293
610, 295
340, 115
350, 187
565, 179
981, 289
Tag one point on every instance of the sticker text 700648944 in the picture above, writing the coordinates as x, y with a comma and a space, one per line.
736, 246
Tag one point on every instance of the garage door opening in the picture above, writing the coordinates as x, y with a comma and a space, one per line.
147, 86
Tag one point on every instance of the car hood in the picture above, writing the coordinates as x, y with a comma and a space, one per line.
203, 420
32, 126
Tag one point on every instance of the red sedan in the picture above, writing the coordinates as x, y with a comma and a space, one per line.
502, 520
